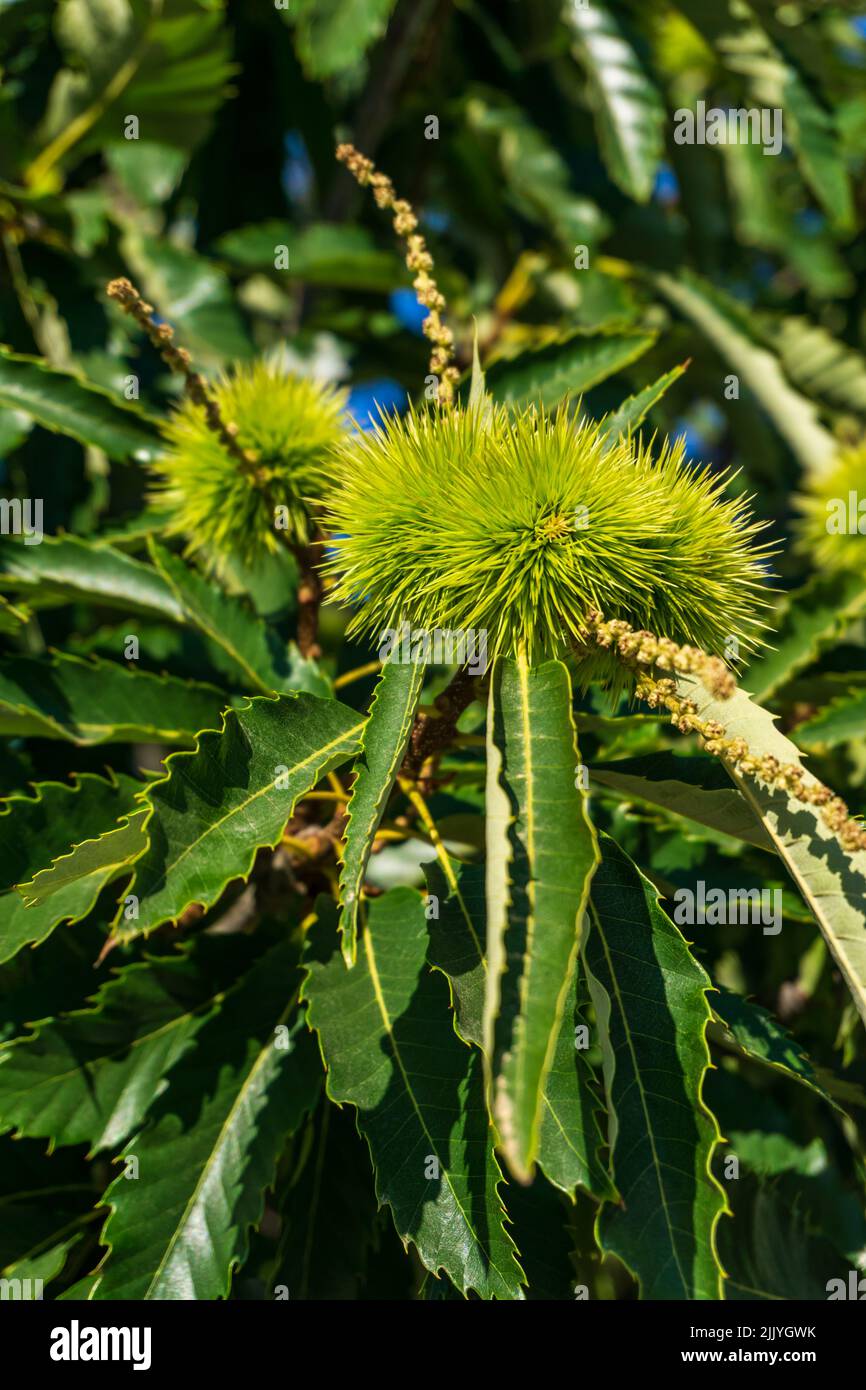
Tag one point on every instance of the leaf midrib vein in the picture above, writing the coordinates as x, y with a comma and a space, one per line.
243, 1089
386, 1019
263, 791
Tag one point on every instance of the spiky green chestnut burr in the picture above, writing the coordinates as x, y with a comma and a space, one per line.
832, 525
256, 497
522, 525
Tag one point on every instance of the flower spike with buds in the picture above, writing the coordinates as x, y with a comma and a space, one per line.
418, 259
644, 653
160, 336
788, 777
642, 650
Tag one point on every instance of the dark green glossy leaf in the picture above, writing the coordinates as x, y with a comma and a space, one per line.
810, 621
90, 1076
192, 292
67, 567
35, 829
567, 368
696, 787
629, 110
321, 254
651, 1005
333, 36
570, 1135
210, 1148
329, 1215
387, 1039
246, 648
12, 618
68, 404
632, 413
769, 1252
537, 180
758, 1035
44, 1206
219, 805
167, 64
87, 702
570, 1130
841, 721
458, 933
74, 881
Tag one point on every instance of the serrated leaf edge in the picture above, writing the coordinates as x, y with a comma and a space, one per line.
383, 1202
193, 752
350, 908
717, 1138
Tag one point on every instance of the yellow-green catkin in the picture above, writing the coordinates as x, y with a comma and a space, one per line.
831, 528
645, 653
418, 260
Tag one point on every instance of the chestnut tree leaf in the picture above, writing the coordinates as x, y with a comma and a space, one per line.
390, 1049
541, 854
90, 702
831, 880
210, 1147
233, 795
34, 829
652, 1013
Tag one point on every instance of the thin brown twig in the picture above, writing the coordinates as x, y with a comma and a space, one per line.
310, 592
314, 842
432, 733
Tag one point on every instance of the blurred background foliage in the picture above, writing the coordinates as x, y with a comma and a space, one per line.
553, 135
